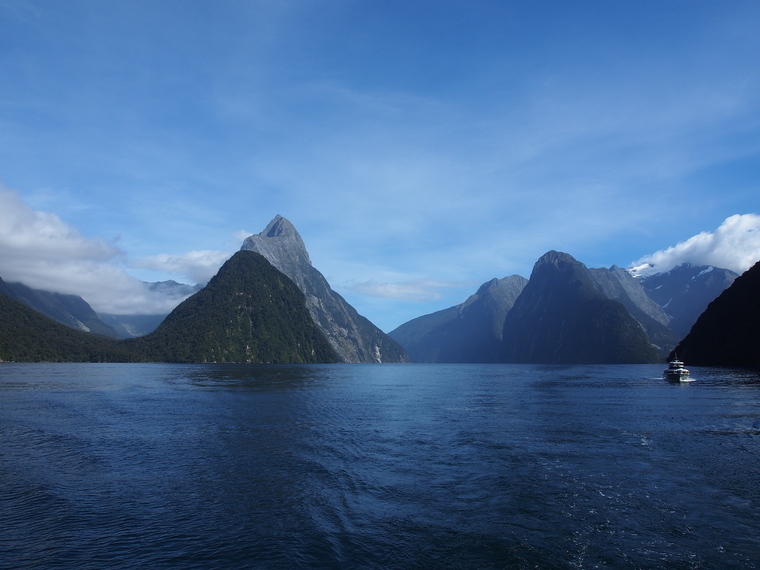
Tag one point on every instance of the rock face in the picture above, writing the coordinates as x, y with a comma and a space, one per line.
353, 337
685, 291
69, 310
248, 312
619, 285
561, 318
470, 332
727, 333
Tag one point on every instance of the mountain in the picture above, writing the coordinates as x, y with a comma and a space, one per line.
685, 291
469, 332
70, 310
26, 335
248, 312
619, 285
561, 318
353, 337
727, 333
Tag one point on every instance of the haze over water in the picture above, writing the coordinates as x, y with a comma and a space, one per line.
377, 466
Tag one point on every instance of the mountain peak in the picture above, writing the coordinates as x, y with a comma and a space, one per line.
281, 245
556, 258
351, 336
279, 226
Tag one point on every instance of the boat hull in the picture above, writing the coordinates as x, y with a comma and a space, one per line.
677, 377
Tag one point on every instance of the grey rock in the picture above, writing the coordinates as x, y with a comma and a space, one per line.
353, 337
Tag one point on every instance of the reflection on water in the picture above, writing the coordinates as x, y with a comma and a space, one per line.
384, 466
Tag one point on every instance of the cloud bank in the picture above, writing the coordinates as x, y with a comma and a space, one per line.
40, 250
735, 245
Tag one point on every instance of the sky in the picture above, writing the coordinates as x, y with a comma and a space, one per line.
420, 148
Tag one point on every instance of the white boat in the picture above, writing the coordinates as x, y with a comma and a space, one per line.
675, 372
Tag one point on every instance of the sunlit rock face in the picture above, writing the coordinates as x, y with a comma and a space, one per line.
353, 337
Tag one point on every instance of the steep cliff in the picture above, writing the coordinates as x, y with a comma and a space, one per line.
353, 337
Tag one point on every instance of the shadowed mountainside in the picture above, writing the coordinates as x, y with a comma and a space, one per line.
619, 285
561, 318
469, 332
727, 333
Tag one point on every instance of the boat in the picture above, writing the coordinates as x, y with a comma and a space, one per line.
675, 372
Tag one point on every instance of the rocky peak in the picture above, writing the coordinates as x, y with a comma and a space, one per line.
281, 245
352, 336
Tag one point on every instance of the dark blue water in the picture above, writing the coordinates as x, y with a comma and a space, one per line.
377, 466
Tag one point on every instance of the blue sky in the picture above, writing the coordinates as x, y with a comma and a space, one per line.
420, 148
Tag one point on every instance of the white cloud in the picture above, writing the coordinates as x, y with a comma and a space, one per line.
735, 245
198, 266
41, 251
422, 290
25, 233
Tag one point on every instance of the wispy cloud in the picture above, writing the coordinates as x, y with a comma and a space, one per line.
735, 245
422, 290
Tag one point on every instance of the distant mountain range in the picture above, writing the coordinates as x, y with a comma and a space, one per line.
562, 314
253, 311
70, 310
27, 335
75, 312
